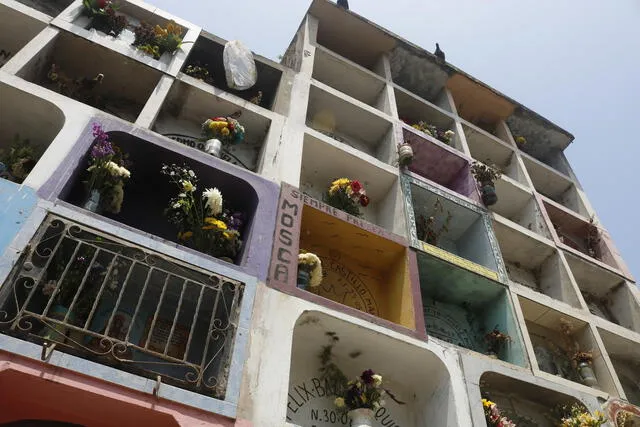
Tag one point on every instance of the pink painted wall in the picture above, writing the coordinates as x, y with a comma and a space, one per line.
32, 389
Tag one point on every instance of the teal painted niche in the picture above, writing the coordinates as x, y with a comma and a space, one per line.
469, 232
16, 204
460, 307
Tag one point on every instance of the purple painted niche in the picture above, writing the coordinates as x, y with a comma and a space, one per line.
435, 162
148, 192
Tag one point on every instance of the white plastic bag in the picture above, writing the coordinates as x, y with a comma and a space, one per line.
239, 66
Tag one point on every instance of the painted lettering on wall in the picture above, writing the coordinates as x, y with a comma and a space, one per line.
310, 404
285, 249
449, 326
343, 285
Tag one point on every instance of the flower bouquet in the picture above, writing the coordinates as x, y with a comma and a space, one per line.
203, 223
431, 130
495, 341
578, 416
309, 270
361, 397
220, 131
487, 175
107, 174
158, 40
17, 161
105, 18
493, 417
347, 195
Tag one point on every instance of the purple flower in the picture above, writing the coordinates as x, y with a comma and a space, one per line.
367, 376
102, 148
236, 221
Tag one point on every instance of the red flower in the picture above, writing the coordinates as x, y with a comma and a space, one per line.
364, 201
101, 4
356, 187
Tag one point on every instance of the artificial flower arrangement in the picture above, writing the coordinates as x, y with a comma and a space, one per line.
227, 129
309, 270
104, 16
18, 160
579, 416
199, 72
493, 416
157, 40
364, 392
495, 341
107, 174
486, 175
426, 228
359, 397
202, 221
433, 131
347, 195
582, 357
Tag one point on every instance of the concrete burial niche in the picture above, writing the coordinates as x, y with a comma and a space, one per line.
461, 307
572, 232
518, 207
466, 236
553, 349
524, 403
607, 295
367, 271
555, 186
323, 162
535, 263
149, 192
412, 109
348, 123
124, 90
436, 162
27, 117
488, 149
17, 29
48, 7
207, 52
187, 106
415, 375
625, 356
350, 79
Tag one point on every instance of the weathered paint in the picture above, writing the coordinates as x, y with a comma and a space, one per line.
16, 204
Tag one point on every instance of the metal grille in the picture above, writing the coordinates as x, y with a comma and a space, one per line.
78, 290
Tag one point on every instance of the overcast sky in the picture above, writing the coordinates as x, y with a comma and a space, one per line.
576, 62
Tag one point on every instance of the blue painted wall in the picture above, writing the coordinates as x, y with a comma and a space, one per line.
16, 204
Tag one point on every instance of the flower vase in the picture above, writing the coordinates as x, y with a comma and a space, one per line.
405, 154
92, 203
361, 417
213, 146
489, 196
303, 278
587, 375
57, 332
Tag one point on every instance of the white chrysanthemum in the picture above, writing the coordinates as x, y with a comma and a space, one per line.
449, 134
124, 172
213, 202
377, 380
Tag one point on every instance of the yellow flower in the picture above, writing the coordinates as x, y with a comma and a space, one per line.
213, 223
185, 236
229, 235
341, 182
159, 31
188, 186
339, 402
225, 131
487, 403
174, 28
